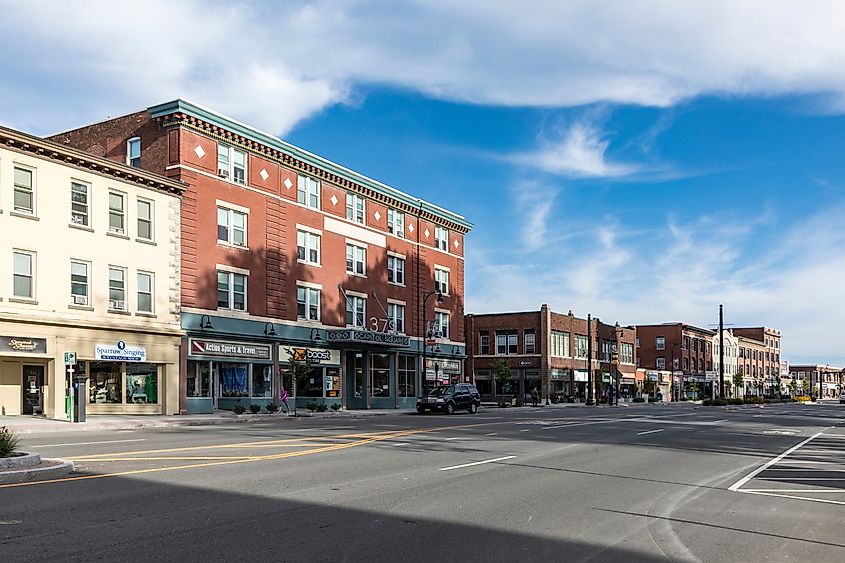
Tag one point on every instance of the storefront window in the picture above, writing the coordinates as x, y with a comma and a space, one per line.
406, 373
310, 384
262, 381
105, 382
233, 379
141, 384
332, 382
198, 382
380, 375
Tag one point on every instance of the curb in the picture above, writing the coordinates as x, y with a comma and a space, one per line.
30, 467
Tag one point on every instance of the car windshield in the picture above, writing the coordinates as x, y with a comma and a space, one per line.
442, 390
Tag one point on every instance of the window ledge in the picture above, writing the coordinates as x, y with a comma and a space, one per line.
117, 235
29, 216
306, 263
80, 308
146, 315
348, 273
396, 284
118, 312
80, 227
230, 245
23, 300
146, 241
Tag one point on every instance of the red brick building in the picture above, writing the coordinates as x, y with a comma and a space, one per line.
683, 349
285, 253
549, 351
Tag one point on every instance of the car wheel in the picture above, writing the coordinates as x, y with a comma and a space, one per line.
450, 408
473, 408
419, 410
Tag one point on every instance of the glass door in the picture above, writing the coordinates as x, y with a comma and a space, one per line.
33, 389
356, 381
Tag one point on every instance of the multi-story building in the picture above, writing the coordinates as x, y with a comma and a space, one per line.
731, 356
684, 349
92, 256
823, 381
548, 351
760, 358
287, 256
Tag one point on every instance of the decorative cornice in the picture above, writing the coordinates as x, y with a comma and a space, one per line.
69, 156
214, 125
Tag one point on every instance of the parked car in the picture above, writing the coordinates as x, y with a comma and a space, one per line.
449, 398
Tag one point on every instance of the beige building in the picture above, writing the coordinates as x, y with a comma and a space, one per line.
731, 361
89, 263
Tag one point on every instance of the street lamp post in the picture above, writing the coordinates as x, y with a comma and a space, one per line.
618, 333
426, 333
590, 400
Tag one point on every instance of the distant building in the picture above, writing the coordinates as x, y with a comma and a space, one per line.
759, 357
731, 356
809, 376
684, 349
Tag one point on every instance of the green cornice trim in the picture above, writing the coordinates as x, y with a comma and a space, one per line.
198, 112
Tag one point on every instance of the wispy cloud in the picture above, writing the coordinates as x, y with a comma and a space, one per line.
534, 202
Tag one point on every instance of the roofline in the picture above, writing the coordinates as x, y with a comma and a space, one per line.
70, 156
180, 105
682, 325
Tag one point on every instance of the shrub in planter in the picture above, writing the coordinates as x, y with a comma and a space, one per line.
653, 400
735, 401
802, 399
322, 407
255, 409
685, 398
753, 400
272, 407
8, 442
335, 407
238, 408
311, 406
639, 400
706, 403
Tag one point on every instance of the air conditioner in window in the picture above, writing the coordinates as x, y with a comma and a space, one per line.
223, 172
117, 305
80, 300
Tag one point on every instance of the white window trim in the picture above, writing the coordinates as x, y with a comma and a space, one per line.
311, 230
354, 259
231, 300
125, 286
307, 203
87, 281
152, 292
34, 171
125, 197
438, 310
152, 219
33, 266
404, 269
128, 144
448, 281
306, 261
231, 172
310, 285
232, 269
354, 200
397, 255
439, 267
231, 228
232, 206
395, 301
88, 194
351, 293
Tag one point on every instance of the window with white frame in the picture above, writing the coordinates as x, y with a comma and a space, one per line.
24, 201
638, 342
231, 163
355, 208
396, 222
307, 247
133, 152
441, 238
395, 270
145, 292
529, 342
356, 311
117, 212
308, 191
23, 274
231, 226
80, 285
660, 363
396, 316
79, 203
145, 219
441, 324
506, 342
117, 288
356, 259
484, 343
581, 346
231, 290
626, 353
660, 343
441, 280
307, 303
560, 344
606, 350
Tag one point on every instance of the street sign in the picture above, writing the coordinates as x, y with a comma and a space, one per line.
70, 358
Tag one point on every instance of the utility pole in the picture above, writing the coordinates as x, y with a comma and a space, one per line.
590, 400
721, 352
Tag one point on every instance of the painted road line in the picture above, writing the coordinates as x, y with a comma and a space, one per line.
491, 434
650, 432
477, 463
825, 491
87, 443
796, 497
750, 476
806, 478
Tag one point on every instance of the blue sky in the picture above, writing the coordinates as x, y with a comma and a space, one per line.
642, 161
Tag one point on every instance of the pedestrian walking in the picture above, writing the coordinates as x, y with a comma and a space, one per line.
284, 399
535, 396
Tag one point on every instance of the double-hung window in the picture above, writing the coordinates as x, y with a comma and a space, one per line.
307, 247
117, 212
231, 163
356, 310
580, 346
484, 343
441, 281
308, 191
23, 274
627, 353
506, 342
396, 222
560, 344
79, 283
355, 208
441, 324
231, 290
395, 270
145, 219
396, 317
660, 343
307, 303
24, 190
133, 152
441, 238
356, 260
117, 288
231, 226
145, 292
529, 342
79, 203
660, 363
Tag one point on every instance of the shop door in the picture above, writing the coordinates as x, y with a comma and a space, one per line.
356, 381
33, 389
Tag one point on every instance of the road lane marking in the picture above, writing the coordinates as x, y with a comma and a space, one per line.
477, 463
492, 434
650, 432
826, 491
811, 499
87, 443
735, 487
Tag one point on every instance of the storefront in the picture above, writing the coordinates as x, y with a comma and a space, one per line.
582, 378
560, 382
319, 383
23, 375
222, 373
443, 371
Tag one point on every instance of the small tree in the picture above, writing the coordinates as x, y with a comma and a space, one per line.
738, 381
793, 388
693, 388
502, 373
300, 369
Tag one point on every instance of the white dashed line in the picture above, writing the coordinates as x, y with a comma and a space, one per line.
477, 463
649, 431
87, 443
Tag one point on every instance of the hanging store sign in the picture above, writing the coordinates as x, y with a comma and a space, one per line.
581, 375
651, 375
19, 344
368, 337
447, 366
120, 352
227, 349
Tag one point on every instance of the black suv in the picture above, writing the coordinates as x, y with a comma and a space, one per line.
450, 398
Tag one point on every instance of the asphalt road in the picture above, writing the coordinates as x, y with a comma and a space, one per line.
643, 483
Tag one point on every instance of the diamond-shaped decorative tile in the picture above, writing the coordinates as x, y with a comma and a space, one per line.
288, 184
427, 233
377, 215
333, 199
455, 243
411, 228
200, 151
264, 174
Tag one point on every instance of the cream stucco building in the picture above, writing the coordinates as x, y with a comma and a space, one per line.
89, 263
731, 361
